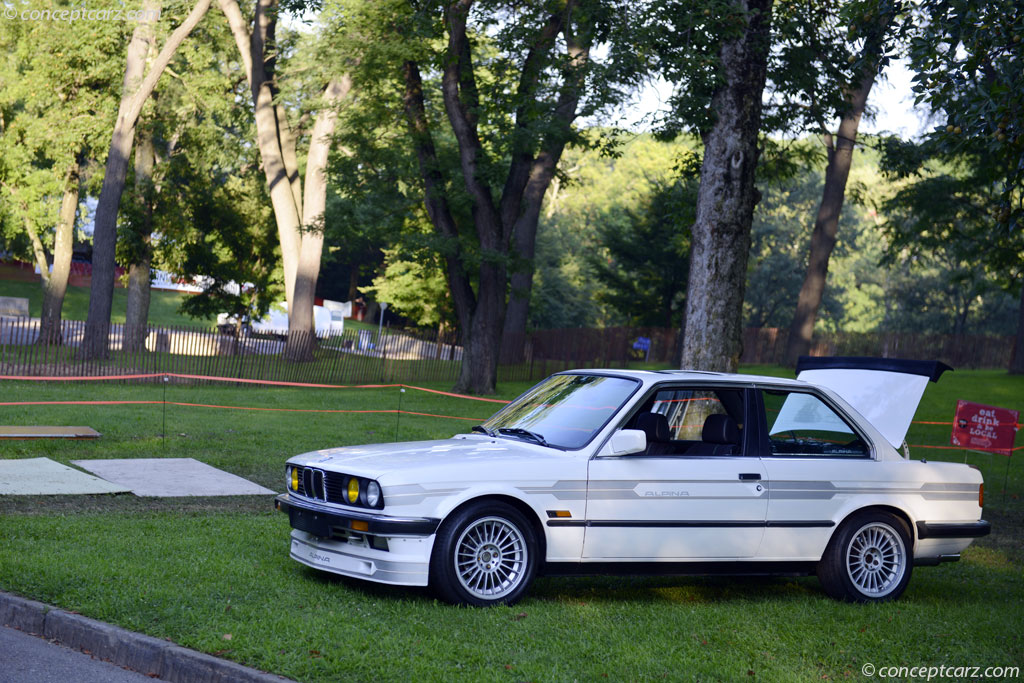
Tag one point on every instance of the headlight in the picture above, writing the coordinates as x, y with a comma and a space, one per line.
292, 478
353, 490
372, 494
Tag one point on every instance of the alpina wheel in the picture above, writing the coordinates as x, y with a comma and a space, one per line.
868, 560
484, 555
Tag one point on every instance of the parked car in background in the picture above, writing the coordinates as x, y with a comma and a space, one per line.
618, 471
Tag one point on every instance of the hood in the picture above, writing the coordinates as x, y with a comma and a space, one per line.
886, 391
378, 460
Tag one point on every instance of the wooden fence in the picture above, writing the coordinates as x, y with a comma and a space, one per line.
390, 356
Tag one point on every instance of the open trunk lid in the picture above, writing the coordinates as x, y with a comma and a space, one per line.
886, 391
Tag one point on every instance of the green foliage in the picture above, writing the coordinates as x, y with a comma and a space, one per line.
956, 260
855, 298
227, 235
59, 88
646, 270
519, 85
600, 197
415, 289
817, 48
967, 56
207, 203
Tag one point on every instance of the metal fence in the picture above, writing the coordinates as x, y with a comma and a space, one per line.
355, 357
370, 356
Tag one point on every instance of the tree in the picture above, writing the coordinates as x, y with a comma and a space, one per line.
489, 95
869, 22
57, 96
726, 197
513, 214
940, 224
299, 214
138, 85
969, 70
719, 60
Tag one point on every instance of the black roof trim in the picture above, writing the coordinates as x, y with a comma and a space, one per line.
932, 369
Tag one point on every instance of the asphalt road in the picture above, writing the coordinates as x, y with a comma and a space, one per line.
26, 658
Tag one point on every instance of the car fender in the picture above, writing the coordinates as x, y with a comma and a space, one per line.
899, 504
474, 492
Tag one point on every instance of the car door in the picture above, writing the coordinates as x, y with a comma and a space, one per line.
681, 499
816, 460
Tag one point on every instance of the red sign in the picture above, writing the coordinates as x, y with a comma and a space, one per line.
984, 428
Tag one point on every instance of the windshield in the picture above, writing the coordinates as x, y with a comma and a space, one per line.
564, 411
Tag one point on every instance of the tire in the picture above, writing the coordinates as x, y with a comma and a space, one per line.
869, 559
485, 554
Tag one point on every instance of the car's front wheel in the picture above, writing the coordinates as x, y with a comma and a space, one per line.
484, 554
869, 559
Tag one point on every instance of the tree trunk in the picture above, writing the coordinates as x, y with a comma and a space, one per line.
541, 174
726, 200
481, 314
56, 285
136, 325
38, 251
300, 251
353, 285
97, 327
300, 308
273, 133
514, 334
826, 225
1017, 359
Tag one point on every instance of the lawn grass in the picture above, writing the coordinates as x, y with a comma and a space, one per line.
198, 570
163, 305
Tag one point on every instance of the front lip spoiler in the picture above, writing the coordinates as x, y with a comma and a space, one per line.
379, 525
954, 530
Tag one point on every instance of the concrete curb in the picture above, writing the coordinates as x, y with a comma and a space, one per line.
142, 653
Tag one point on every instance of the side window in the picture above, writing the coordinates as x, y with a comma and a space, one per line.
801, 424
686, 410
697, 421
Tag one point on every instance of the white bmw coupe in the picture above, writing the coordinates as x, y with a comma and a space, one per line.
627, 472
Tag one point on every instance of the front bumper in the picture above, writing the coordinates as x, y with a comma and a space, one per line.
347, 542
323, 520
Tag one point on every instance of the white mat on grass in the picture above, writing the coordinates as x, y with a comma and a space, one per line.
171, 477
44, 477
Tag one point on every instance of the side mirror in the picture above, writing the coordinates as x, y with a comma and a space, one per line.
625, 442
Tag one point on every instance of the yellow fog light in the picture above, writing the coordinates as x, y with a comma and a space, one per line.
294, 472
353, 490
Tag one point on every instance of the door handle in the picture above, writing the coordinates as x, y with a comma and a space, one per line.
750, 476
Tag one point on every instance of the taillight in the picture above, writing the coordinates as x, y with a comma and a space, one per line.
981, 495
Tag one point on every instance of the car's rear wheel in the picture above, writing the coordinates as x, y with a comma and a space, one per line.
869, 559
485, 554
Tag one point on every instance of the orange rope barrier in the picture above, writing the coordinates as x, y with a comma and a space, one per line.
391, 411
153, 375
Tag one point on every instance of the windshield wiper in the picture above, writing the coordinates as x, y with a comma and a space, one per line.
483, 430
517, 431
